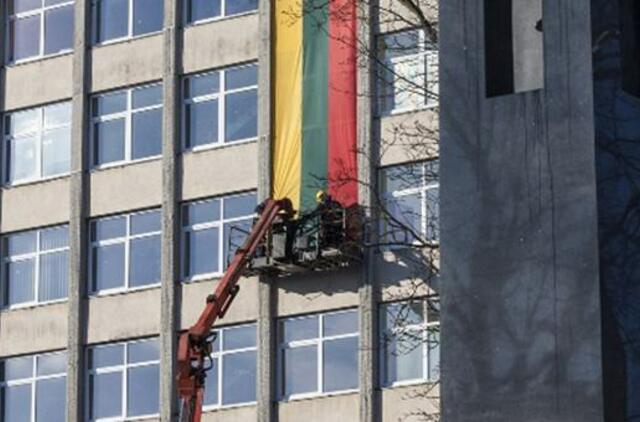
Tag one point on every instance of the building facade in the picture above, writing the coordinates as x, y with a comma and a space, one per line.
136, 144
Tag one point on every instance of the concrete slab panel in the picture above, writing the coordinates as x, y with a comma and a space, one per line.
33, 330
323, 409
408, 137
410, 404
235, 414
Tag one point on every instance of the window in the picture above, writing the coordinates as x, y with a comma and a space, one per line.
34, 388
39, 28
212, 230
221, 107
124, 380
121, 19
410, 195
125, 251
127, 125
408, 77
199, 10
35, 266
514, 59
410, 341
37, 143
232, 378
630, 46
318, 354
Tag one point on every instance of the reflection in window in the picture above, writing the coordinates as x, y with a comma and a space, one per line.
199, 10
39, 28
33, 388
212, 231
35, 266
37, 143
118, 19
125, 251
410, 341
221, 106
127, 125
124, 380
318, 354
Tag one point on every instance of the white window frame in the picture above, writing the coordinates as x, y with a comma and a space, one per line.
423, 190
423, 329
430, 55
39, 133
317, 341
122, 368
127, 115
220, 354
94, 21
126, 240
219, 224
223, 14
221, 96
36, 256
32, 381
30, 13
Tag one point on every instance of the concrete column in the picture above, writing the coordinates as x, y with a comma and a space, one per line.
368, 291
79, 195
170, 259
267, 289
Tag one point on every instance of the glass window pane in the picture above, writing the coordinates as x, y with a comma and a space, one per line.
17, 403
54, 238
235, 234
104, 356
147, 16
113, 19
54, 2
202, 253
300, 370
240, 6
21, 243
51, 397
241, 115
19, 6
109, 228
202, 212
433, 349
109, 141
239, 378
403, 314
25, 34
144, 351
23, 158
54, 273
144, 268
239, 337
24, 121
340, 366
18, 368
57, 115
147, 96
300, 328
241, 77
21, 284
106, 395
203, 84
143, 393
108, 267
433, 214
110, 103
147, 134
407, 210
211, 384
203, 9
240, 206
202, 123
52, 364
58, 30
404, 356
56, 151
402, 43
340, 323
146, 222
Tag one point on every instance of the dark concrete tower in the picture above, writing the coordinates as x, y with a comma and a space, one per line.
521, 336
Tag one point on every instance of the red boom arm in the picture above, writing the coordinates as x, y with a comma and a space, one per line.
194, 345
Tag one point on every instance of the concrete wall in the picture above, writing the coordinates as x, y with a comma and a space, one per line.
30, 330
236, 414
520, 287
323, 409
410, 403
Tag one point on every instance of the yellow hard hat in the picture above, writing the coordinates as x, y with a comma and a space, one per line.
320, 196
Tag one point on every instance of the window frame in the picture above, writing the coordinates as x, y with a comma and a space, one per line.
221, 98
210, 19
127, 115
423, 329
125, 240
95, 36
40, 11
37, 258
219, 224
429, 52
318, 341
122, 369
32, 381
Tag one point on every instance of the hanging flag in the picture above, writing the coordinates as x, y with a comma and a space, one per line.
314, 141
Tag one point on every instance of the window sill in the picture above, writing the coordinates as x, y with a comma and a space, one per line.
214, 408
311, 396
408, 383
120, 164
123, 291
34, 59
403, 111
123, 40
219, 18
32, 305
129, 419
28, 182
215, 146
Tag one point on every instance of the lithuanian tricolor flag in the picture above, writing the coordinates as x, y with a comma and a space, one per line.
314, 140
